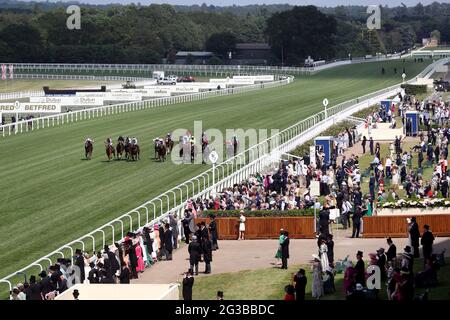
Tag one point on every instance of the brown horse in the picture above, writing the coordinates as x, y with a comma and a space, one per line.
120, 148
134, 152
110, 153
161, 149
88, 148
169, 145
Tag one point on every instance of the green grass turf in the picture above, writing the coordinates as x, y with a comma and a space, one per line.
50, 196
17, 85
269, 284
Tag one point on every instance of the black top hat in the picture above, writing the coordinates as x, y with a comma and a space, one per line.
413, 219
359, 253
427, 227
212, 216
32, 279
407, 249
43, 274
78, 251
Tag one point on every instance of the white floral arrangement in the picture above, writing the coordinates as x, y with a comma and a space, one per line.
425, 203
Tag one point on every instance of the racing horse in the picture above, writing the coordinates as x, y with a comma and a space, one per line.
110, 153
127, 148
134, 152
88, 148
162, 151
120, 149
169, 144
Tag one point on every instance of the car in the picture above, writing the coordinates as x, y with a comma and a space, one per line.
167, 81
186, 79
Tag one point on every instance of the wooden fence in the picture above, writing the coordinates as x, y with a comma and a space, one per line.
265, 227
397, 226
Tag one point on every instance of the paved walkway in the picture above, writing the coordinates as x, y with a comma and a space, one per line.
234, 256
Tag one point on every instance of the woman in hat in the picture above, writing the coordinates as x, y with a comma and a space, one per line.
317, 283
349, 277
241, 225
280, 242
323, 249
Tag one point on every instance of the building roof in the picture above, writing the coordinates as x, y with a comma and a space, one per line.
252, 46
194, 53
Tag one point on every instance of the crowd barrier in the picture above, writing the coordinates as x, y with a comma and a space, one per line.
234, 170
397, 226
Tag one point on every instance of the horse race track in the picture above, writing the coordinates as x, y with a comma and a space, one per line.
51, 196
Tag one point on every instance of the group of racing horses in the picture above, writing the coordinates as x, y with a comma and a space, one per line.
130, 148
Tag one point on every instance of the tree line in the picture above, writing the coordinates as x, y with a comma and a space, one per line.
37, 32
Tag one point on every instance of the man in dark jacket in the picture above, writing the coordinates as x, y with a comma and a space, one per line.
360, 276
356, 219
300, 285
194, 250
381, 263
46, 285
33, 291
391, 253
427, 243
213, 232
285, 251
79, 262
330, 248
168, 238
207, 254
113, 263
324, 220
371, 145
414, 234
188, 283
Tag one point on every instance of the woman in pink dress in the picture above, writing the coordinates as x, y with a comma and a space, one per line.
140, 265
349, 277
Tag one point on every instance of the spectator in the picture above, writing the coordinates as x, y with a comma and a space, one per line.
188, 283
125, 274
300, 281
194, 254
414, 235
391, 253
360, 276
285, 250
427, 243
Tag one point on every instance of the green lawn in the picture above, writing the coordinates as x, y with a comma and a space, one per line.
268, 284
51, 196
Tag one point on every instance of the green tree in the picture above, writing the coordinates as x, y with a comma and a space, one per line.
221, 43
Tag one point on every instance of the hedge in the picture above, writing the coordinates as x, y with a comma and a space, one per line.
414, 89
260, 213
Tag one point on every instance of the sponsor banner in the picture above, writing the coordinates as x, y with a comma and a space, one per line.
30, 107
256, 78
70, 101
113, 95
159, 93
123, 96
185, 89
241, 82
219, 80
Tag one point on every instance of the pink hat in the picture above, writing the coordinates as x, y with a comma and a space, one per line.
155, 226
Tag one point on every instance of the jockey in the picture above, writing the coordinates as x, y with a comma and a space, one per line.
192, 140
134, 141
169, 137
109, 142
88, 140
120, 139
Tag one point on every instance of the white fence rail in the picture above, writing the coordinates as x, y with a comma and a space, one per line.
20, 95
76, 77
91, 113
231, 171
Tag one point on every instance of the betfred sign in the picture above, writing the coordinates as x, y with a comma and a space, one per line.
69, 101
29, 107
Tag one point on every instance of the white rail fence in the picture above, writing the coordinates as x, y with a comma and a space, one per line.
76, 77
185, 69
92, 113
227, 173
20, 95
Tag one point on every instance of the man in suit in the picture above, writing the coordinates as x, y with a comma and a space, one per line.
46, 285
300, 285
33, 291
114, 264
168, 238
324, 220
213, 232
285, 251
371, 145
356, 219
427, 243
414, 234
79, 262
188, 225
174, 225
194, 250
360, 276
391, 253
207, 254
188, 283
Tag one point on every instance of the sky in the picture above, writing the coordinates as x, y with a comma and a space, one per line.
327, 3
